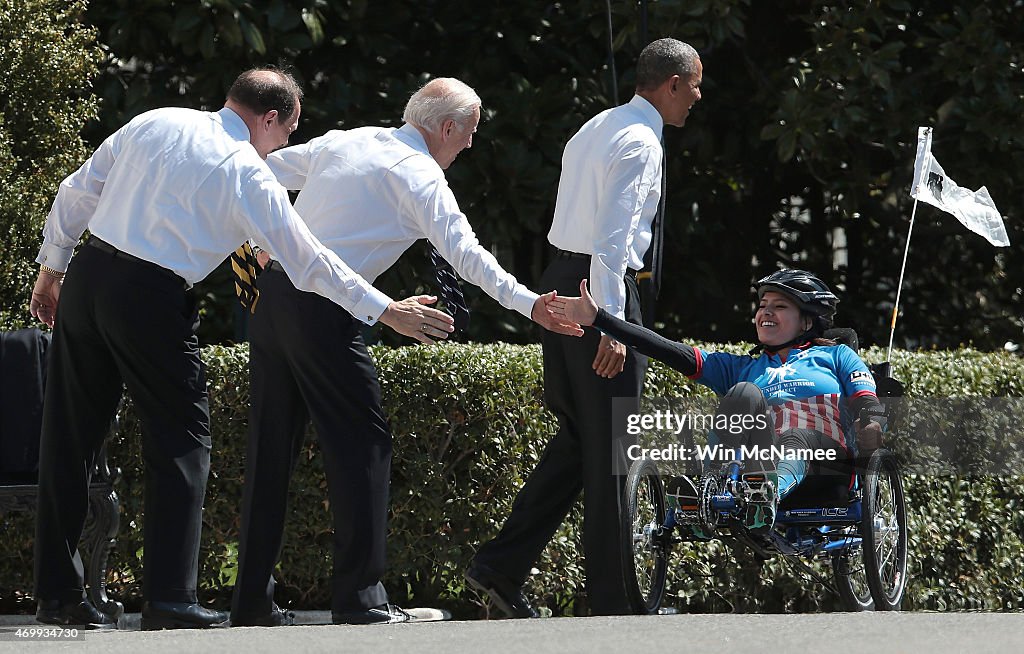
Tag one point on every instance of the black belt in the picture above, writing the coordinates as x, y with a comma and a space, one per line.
565, 254
103, 246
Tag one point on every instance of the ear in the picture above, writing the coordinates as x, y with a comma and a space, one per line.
674, 83
447, 128
269, 117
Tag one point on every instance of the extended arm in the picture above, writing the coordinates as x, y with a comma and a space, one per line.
677, 355
585, 311
311, 266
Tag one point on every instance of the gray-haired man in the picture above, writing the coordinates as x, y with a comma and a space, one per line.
368, 194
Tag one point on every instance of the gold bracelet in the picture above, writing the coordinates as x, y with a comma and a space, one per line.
51, 272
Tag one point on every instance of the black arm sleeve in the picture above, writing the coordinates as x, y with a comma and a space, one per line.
869, 402
677, 355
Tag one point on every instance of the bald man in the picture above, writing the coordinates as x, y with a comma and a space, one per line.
368, 194
165, 198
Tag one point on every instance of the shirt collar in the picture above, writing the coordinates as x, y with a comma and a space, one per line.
411, 136
233, 124
792, 348
650, 114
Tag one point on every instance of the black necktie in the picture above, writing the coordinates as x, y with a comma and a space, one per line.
653, 257
244, 266
451, 290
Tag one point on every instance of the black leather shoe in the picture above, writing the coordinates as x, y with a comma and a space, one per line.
180, 615
78, 614
277, 617
506, 595
383, 614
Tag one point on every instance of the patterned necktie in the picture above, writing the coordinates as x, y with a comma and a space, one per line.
244, 266
451, 290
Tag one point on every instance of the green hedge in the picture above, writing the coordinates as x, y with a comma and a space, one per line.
48, 59
469, 426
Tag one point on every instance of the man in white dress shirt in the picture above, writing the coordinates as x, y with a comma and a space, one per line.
166, 198
368, 194
608, 195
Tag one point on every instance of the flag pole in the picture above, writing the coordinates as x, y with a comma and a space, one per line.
921, 163
899, 286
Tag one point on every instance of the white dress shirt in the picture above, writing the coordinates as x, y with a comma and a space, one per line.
183, 189
370, 193
608, 194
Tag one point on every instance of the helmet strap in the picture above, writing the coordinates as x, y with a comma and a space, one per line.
807, 337
815, 331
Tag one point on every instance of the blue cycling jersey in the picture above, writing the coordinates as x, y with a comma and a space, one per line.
808, 389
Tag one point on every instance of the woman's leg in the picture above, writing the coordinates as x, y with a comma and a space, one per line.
792, 471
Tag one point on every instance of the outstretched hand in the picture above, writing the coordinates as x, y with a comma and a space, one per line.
610, 357
544, 316
45, 295
582, 310
412, 317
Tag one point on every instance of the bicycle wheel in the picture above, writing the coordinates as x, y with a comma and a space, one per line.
852, 583
884, 531
645, 544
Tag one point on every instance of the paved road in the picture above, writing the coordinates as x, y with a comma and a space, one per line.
933, 633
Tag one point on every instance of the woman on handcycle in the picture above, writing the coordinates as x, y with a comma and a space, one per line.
797, 390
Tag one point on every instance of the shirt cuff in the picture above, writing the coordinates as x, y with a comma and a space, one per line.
370, 308
54, 257
523, 300
618, 311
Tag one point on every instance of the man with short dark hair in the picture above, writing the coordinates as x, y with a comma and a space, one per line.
608, 196
166, 198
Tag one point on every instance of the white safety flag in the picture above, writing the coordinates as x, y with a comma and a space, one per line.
974, 209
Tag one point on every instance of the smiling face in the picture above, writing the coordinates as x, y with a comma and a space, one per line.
684, 94
778, 319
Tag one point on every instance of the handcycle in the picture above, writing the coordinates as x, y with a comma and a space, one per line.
858, 524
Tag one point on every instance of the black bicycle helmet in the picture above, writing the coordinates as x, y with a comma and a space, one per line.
811, 294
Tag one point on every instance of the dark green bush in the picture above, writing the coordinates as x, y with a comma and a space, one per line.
48, 59
469, 427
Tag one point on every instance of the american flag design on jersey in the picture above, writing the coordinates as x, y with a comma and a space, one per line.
820, 413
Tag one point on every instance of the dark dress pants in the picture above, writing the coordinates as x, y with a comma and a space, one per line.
308, 360
578, 458
123, 321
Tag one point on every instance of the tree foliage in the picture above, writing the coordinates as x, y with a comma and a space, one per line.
801, 152
49, 58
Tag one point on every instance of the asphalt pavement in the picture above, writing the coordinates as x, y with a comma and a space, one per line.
854, 633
